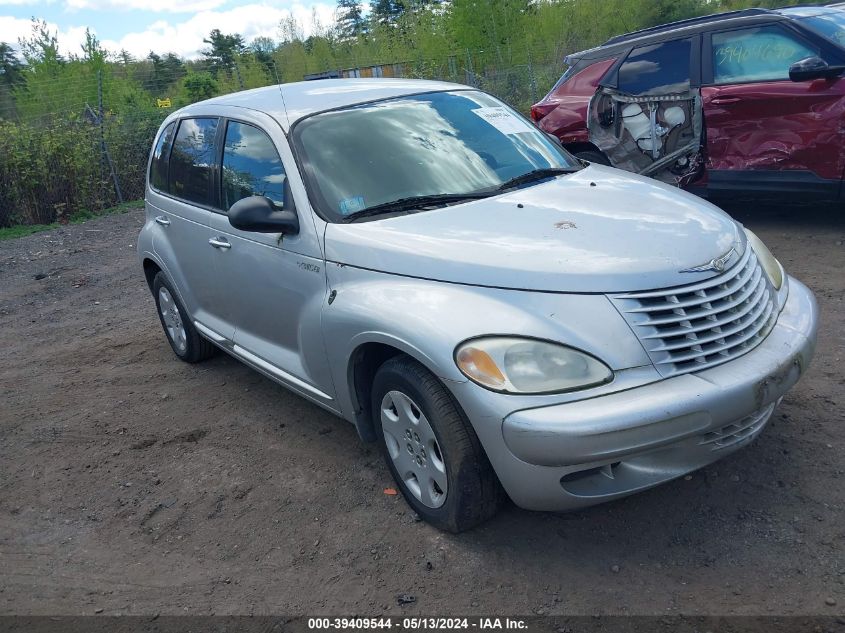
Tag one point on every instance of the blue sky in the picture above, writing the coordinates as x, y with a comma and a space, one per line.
160, 25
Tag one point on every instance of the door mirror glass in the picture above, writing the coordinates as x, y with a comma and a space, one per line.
259, 214
809, 68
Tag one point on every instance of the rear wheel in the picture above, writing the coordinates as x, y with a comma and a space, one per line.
431, 449
593, 157
183, 337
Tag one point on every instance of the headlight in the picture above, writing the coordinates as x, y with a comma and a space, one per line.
522, 365
767, 260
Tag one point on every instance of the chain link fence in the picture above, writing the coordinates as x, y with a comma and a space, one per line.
77, 143
66, 150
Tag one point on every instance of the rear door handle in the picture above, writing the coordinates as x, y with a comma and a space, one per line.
163, 220
724, 100
219, 242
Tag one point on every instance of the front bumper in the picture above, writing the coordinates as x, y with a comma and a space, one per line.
585, 452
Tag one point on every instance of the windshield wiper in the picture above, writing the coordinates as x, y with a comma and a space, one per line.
414, 202
535, 174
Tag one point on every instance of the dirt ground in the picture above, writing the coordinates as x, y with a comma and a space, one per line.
132, 483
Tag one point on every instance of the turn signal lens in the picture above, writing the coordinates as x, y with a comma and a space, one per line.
477, 365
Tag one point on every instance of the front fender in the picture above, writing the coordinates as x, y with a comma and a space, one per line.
428, 319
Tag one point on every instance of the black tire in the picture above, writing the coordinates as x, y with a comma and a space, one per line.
593, 157
196, 348
474, 493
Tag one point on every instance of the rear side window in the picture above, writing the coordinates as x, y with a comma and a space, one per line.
192, 160
759, 54
251, 166
161, 152
657, 69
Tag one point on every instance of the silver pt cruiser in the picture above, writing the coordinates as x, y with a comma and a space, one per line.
502, 318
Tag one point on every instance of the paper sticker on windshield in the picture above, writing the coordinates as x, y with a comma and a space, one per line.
503, 120
348, 206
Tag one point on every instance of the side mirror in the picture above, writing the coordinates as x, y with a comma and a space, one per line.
813, 68
260, 215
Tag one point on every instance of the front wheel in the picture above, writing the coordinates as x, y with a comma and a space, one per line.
431, 449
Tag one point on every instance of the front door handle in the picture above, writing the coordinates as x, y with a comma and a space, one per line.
163, 220
724, 100
219, 242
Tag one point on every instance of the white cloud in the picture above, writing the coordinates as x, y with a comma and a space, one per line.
250, 21
20, 3
70, 39
157, 6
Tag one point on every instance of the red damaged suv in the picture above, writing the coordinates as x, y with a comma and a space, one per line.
748, 102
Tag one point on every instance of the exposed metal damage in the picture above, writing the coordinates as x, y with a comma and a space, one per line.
652, 135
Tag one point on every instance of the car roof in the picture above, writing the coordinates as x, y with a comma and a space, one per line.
810, 10
691, 26
304, 98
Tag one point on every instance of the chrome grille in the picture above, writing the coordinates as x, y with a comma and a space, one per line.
689, 328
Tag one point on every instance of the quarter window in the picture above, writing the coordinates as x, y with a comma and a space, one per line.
251, 166
759, 54
192, 160
657, 69
158, 166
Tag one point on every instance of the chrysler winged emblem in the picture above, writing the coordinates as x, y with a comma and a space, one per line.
717, 264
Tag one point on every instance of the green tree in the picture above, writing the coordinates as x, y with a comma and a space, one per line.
11, 68
42, 47
224, 49
166, 70
262, 49
387, 11
125, 57
489, 26
350, 19
200, 86
92, 51
11, 78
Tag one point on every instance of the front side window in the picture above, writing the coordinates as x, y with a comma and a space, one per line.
251, 166
419, 145
161, 152
759, 54
657, 69
192, 160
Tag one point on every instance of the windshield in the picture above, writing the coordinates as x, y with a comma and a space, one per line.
829, 23
420, 145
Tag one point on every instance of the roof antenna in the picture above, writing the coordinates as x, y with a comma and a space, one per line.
281, 92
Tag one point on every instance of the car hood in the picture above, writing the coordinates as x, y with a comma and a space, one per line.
597, 230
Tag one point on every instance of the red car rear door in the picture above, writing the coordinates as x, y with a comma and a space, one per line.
764, 132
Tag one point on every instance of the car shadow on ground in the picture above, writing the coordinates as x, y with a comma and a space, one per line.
793, 215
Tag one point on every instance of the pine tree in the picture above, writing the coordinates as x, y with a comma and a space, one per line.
350, 19
224, 49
